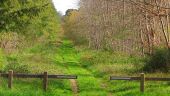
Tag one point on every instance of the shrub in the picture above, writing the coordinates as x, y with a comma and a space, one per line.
158, 61
14, 64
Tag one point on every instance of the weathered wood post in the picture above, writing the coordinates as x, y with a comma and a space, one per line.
142, 82
45, 81
10, 78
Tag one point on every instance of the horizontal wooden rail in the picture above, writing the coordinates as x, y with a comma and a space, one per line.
39, 76
142, 79
62, 76
10, 75
124, 78
156, 79
138, 78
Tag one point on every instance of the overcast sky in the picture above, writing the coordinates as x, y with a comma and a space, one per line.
63, 5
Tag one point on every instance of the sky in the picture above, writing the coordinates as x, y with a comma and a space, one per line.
63, 5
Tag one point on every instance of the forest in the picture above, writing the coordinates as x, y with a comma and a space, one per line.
101, 38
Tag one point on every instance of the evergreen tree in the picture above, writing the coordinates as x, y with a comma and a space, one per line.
16, 14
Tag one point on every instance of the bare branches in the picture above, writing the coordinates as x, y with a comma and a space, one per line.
131, 26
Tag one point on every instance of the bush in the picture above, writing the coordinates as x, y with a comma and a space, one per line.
14, 64
159, 61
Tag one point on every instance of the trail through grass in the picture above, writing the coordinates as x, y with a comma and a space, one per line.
93, 82
93, 69
87, 83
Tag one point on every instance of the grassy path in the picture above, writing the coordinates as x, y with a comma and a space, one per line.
88, 84
91, 85
65, 58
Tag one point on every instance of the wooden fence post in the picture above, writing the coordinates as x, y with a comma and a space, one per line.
142, 82
10, 78
45, 81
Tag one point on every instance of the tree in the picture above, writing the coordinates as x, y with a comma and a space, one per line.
73, 28
130, 26
16, 14
24, 23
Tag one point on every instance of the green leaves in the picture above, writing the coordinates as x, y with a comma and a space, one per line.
16, 14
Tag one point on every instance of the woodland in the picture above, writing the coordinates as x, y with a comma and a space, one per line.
102, 38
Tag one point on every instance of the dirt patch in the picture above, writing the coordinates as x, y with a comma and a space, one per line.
74, 86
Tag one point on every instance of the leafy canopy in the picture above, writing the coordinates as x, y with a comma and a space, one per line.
16, 14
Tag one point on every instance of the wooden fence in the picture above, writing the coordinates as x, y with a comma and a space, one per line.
142, 79
10, 75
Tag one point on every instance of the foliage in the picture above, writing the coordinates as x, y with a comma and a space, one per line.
120, 25
16, 14
45, 26
72, 27
88, 80
158, 61
40, 25
14, 64
43, 50
27, 25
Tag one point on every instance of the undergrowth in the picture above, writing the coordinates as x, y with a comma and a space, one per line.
92, 67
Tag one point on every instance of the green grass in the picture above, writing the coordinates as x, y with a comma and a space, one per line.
131, 88
92, 67
33, 87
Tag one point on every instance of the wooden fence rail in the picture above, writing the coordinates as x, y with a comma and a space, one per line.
142, 79
10, 75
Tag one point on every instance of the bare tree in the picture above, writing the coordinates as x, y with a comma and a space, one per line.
131, 26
